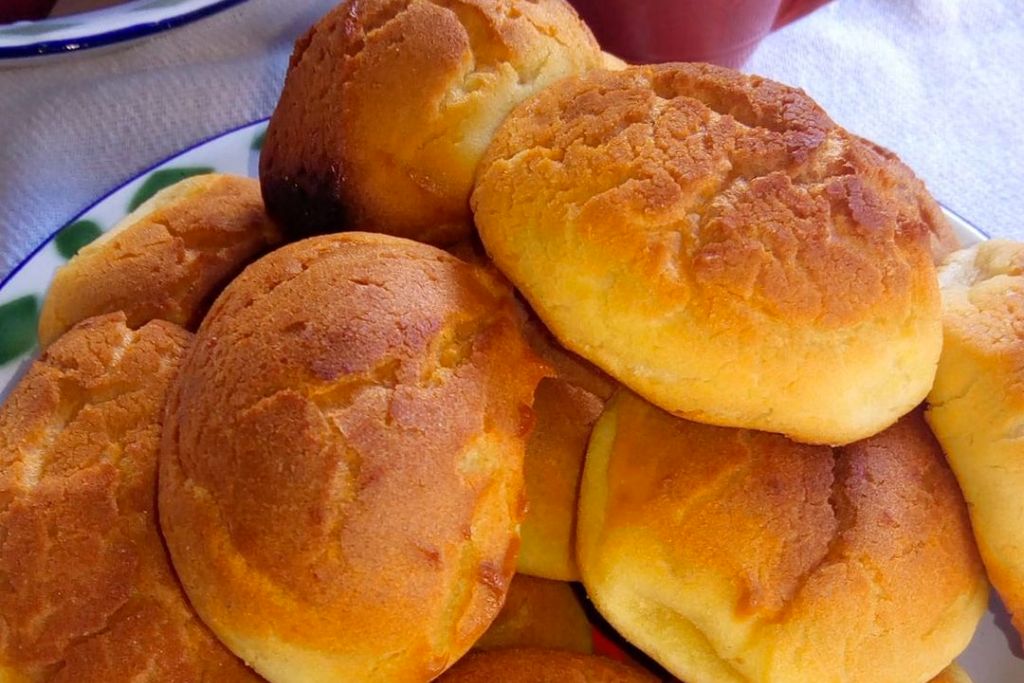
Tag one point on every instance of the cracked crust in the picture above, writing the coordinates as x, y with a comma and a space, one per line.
167, 260
343, 457
87, 593
718, 244
389, 104
739, 556
977, 403
542, 666
539, 613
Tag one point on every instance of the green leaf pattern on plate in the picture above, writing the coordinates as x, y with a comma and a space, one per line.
24, 291
72, 238
18, 324
164, 178
257, 142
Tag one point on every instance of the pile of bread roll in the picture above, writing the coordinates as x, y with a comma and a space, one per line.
512, 344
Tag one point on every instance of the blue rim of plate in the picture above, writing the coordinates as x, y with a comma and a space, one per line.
146, 171
122, 35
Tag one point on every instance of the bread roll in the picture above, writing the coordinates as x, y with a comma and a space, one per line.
166, 260
88, 594
977, 404
341, 479
566, 407
539, 613
954, 674
565, 414
732, 556
389, 104
715, 242
542, 666
568, 367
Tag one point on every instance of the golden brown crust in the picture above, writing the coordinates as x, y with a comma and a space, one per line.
739, 556
539, 614
977, 403
389, 104
370, 526
569, 367
88, 593
542, 666
912, 193
565, 414
566, 407
645, 212
165, 261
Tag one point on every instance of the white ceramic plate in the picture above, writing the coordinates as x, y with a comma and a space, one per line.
29, 40
990, 658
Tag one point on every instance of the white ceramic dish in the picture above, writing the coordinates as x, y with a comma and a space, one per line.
990, 658
24, 42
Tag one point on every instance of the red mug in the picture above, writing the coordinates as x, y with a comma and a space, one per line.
718, 31
19, 10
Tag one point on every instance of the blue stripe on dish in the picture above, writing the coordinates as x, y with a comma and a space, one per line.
85, 42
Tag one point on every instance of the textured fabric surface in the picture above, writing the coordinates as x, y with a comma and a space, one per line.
938, 81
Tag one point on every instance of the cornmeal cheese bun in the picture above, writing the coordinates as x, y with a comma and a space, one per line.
565, 414
540, 613
954, 674
388, 106
566, 407
341, 479
977, 404
167, 260
716, 243
732, 556
568, 367
88, 593
542, 666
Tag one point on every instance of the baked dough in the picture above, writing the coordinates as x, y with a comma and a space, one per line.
732, 556
716, 243
87, 592
343, 457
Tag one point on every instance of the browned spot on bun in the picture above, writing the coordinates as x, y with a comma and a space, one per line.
343, 457
86, 588
716, 242
911, 191
741, 556
977, 404
542, 666
389, 104
539, 613
167, 260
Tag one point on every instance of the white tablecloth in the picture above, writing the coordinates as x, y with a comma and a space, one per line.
939, 81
